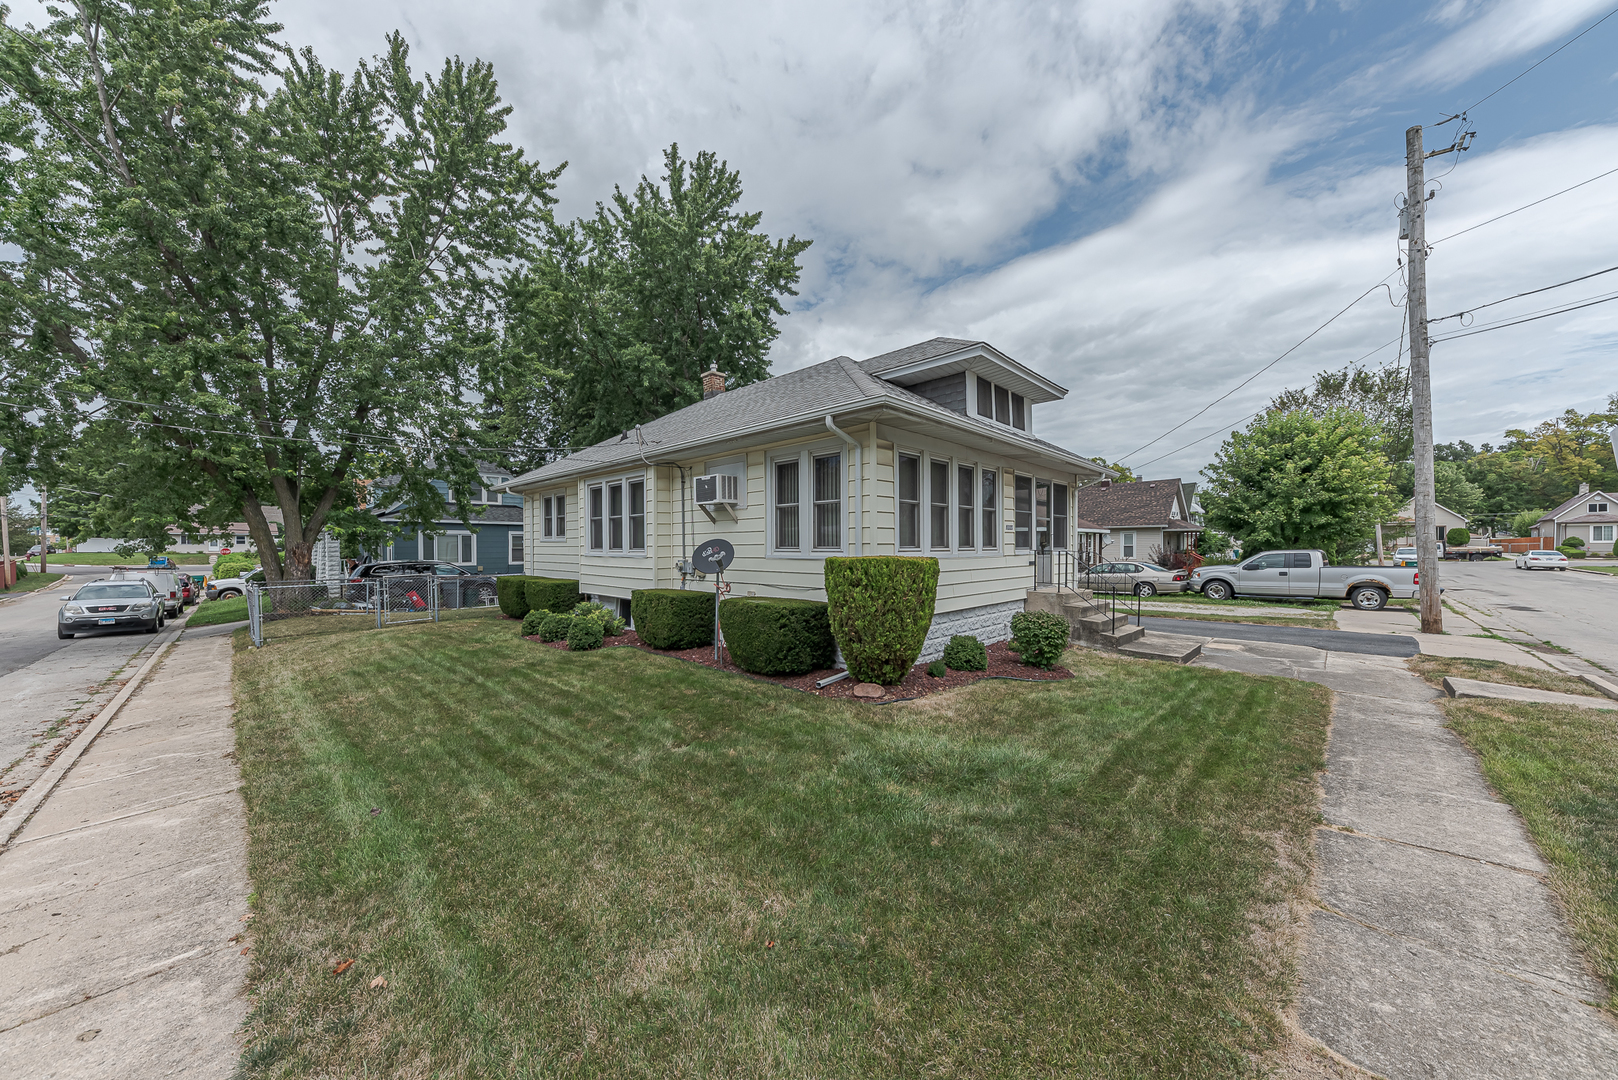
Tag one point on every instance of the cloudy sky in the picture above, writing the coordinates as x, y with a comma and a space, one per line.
1148, 201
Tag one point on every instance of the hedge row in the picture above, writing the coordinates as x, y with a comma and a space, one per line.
672, 618
777, 636
520, 594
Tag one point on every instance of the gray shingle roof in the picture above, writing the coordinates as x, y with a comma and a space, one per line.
1598, 496
836, 385
1141, 504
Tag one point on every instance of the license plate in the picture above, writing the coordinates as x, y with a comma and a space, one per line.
106, 622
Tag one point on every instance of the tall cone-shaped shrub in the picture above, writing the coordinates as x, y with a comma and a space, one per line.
881, 607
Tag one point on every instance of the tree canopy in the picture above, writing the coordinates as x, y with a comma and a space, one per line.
1382, 396
1297, 480
264, 291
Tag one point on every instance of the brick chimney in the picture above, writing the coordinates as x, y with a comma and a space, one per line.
713, 383
1103, 484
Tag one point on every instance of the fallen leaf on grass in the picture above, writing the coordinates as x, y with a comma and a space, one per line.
342, 966
379, 983
769, 944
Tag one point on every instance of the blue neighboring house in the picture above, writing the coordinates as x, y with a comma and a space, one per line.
492, 546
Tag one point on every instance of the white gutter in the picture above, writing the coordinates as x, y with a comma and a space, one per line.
859, 484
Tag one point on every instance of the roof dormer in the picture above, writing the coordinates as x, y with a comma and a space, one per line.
972, 378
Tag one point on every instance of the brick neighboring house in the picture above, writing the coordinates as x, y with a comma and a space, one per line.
1589, 515
1141, 516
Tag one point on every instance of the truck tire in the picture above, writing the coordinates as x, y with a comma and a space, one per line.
1217, 590
1368, 598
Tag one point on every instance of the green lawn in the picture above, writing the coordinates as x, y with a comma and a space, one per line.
214, 612
616, 864
32, 582
1435, 668
1558, 766
1601, 569
108, 558
1241, 602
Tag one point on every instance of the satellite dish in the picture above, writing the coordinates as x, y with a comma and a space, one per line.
712, 557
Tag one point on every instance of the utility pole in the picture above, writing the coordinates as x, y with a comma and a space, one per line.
44, 530
1421, 387
5, 522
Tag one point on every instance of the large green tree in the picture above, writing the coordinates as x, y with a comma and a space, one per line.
262, 270
1381, 395
661, 284
1297, 480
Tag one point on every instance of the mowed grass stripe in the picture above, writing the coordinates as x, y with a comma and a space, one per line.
580, 858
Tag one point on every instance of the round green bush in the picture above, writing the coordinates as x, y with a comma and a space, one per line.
672, 618
777, 635
531, 623
611, 624
880, 608
583, 634
553, 625
1573, 542
966, 653
937, 669
1458, 538
512, 591
229, 566
1039, 637
1573, 552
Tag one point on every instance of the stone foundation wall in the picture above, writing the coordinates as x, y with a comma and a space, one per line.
989, 624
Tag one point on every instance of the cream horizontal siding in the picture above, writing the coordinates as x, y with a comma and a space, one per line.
549, 558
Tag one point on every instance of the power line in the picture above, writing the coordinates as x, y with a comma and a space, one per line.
1547, 56
1520, 209
1266, 367
1518, 296
1531, 318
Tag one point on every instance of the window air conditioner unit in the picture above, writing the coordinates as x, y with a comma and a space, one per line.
718, 489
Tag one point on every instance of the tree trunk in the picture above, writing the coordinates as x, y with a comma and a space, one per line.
299, 564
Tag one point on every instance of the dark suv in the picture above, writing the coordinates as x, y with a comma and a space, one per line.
470, 589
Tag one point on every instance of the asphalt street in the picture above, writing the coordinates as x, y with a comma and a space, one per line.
1577, 611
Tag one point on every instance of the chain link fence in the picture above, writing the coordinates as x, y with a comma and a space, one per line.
387, 601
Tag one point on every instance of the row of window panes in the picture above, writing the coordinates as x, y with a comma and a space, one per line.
553, 517
977, 503
618, 516
1040, 508
825, 504
1001, 405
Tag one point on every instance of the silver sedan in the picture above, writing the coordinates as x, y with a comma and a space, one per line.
1133, 576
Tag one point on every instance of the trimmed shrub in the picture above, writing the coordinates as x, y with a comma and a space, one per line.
966, 653
1573, 552
1039, 637
512, 590
1458, 538
532, 621
611, 624
937, 669
551, 594
672, 618
553, 625
777, 635
880, 608
227, 566
1573, 542
583, 634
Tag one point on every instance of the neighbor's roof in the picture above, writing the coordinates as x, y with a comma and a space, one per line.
1588, 519
1141, 503
803, 396
1574, 501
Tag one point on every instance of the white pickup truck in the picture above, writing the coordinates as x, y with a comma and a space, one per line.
1305, 574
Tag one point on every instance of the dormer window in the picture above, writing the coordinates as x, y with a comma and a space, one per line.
1598, 508
1001, 405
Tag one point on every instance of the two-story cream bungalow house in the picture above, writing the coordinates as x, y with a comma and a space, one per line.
932, 449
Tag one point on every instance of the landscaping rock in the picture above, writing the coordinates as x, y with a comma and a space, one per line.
869, 690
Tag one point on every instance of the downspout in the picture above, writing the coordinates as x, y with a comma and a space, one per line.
859, 484
680, 564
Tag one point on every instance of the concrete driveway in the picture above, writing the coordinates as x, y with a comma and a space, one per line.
1567, 608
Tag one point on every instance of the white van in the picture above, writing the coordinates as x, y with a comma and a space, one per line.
166, 582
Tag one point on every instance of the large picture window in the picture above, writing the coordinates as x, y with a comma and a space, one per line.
1024, 509
938, 505
618, 516
457, 548
909, 501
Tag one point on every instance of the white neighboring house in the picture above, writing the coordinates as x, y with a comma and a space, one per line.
926, 450
1444, 519
1589, 515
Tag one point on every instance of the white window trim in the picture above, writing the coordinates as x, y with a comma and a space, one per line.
448, 533
513, 556
972, 406
1128, 540
1607, 539
984, 548
805, 455
539, 505
606, 550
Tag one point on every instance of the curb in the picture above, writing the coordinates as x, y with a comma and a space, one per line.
40, 789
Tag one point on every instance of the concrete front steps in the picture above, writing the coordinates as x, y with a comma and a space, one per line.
1096, 627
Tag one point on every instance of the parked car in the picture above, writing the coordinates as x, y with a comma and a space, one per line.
1405, 556
1140, 578
1540, 560
165, 582
33, 552
1306, 574
221, 588
478, 589
111, 605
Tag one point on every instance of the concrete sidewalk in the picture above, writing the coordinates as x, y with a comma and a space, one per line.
1437, 950
121, 899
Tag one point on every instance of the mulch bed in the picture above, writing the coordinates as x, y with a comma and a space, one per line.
1003, 664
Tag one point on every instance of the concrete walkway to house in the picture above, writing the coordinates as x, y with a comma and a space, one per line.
1436, 950
121, 898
